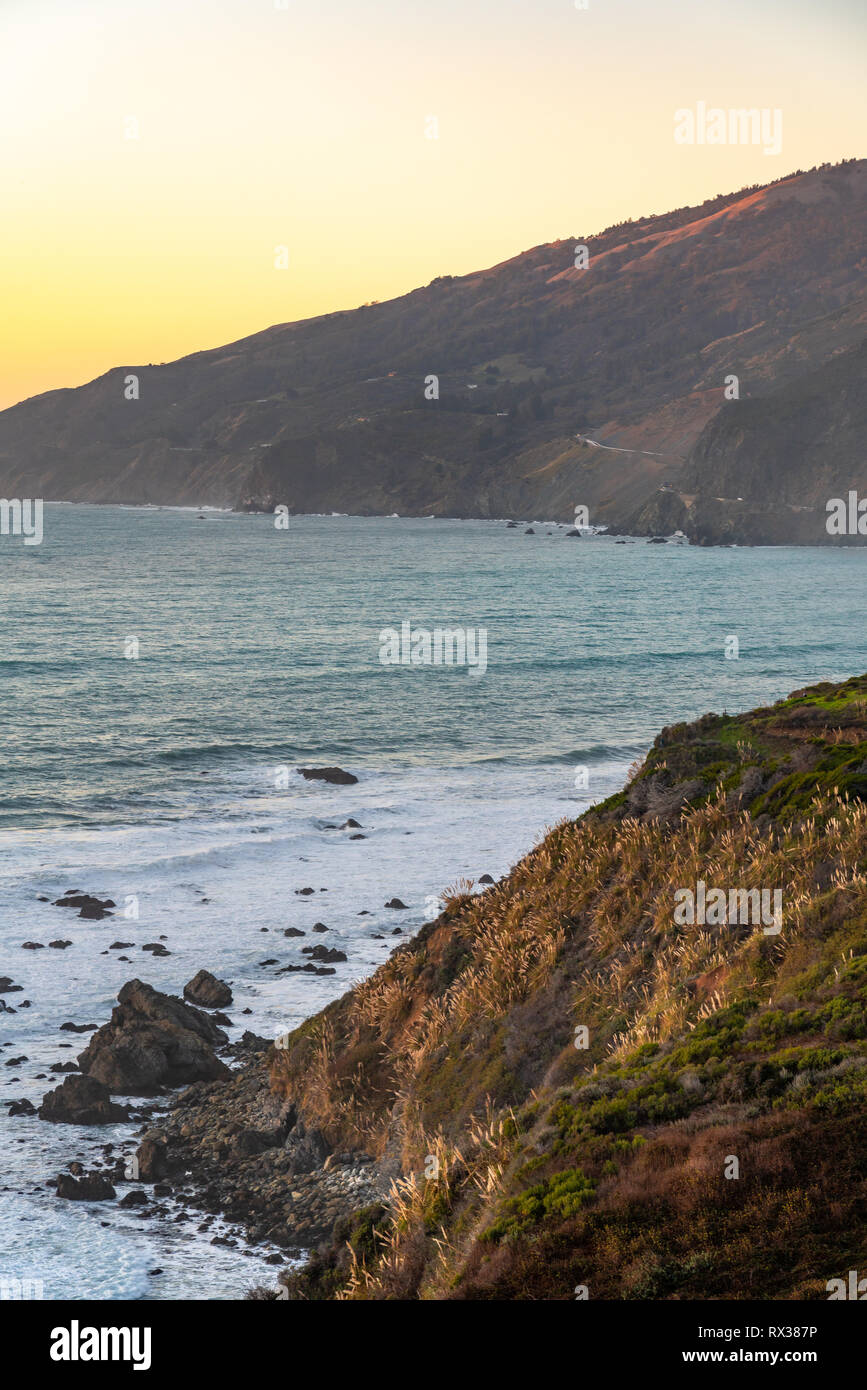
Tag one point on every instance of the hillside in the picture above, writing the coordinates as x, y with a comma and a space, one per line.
631, 352
525, 1165
579, 1077
763, 470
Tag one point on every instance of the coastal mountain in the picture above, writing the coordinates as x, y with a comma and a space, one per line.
634, 1068
595, 371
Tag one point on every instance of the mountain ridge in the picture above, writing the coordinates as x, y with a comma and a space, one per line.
533, 357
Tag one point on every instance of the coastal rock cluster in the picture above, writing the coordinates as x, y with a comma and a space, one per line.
152, 1041
225, 1146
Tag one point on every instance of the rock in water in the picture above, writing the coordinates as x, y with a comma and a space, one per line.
81, 1100
207, 991
151, 1159
328, 774
21, 1107
93, 1187
153, 1040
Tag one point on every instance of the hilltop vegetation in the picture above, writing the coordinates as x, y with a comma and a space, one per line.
525, 1165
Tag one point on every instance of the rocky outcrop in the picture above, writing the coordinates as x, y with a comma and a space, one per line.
153, 1040
205, 990
250, 1155
81, 1100
91, 1187
151, 1161
89, 907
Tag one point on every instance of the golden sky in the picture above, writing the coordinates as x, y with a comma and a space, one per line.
156, 152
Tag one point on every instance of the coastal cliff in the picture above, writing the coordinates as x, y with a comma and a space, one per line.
570, 1081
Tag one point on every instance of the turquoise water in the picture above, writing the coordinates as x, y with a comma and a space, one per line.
169, 782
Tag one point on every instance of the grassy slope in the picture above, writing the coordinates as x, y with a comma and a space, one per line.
560, 1166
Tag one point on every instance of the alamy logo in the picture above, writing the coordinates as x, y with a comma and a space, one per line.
846, 516
739, 907
76, 1343
22, 517
736, 126
841, 1288
444, 646
11, 1287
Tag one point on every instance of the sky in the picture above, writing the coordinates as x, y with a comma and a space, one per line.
157, 153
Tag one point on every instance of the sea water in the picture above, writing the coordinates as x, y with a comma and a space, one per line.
163, 674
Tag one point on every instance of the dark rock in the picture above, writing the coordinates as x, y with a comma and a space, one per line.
306, 1148
136, 1198
93, 1187
151, 1160
60, 945
153, 1040
486, 878
32, 946
81, 1100
351, 825
395, 902
250, 1142
78, 1027
335, 775
205, 990
21, 1107
121, 945
303, 892
94, 912
7, 987
319, 927
325, 953
294, 931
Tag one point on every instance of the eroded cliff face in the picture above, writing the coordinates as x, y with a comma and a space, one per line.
615, 1068
533, 358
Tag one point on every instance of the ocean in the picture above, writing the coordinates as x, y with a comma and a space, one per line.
165, 672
